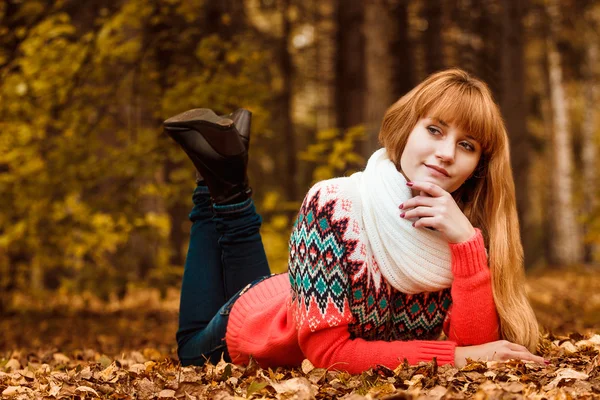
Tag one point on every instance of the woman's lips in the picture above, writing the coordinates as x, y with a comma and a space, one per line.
438, 171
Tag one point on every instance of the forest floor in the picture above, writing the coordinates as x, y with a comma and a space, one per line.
78, 348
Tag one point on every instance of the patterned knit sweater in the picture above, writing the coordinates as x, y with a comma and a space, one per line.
335, 308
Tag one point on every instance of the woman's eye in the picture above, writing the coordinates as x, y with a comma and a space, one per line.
433, 130
467, 146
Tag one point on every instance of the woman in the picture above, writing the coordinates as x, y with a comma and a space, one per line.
380, 262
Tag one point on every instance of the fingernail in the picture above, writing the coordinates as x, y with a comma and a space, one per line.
400, 206
413, 224
409, 183
546, 362
402, 215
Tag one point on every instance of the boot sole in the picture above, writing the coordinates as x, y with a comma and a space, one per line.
197, 116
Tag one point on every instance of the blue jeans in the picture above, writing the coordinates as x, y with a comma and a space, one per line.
225, 255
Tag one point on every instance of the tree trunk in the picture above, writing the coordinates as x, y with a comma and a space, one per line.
461, 40
434, 47
514, 110
178, 212
486, 45
590, 145
566, 246
326, 33
379, 29
400, 47
350, 64
285, 63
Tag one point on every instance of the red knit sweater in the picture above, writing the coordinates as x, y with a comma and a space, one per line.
279, 327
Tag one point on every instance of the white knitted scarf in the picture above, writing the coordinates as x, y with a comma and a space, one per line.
412, 260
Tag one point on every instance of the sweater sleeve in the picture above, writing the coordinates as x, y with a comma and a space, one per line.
473, 318
333, 348
320, 289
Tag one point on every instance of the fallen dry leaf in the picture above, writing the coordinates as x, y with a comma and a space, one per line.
61, 358
565, 374
299, 388
13, 390
87, 389
437, 393
12, 365
307, 366
166, 393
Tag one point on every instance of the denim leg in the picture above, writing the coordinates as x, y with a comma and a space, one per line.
243, 255
225, 255
202, 288
207, 343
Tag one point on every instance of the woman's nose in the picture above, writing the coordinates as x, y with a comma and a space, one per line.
446, 151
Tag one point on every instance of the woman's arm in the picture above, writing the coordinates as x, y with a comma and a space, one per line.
473, 318
473, 321
333, 348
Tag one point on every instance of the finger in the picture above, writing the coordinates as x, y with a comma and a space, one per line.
517, 347
527, 356
427, 222
518, 355
418, 201
427, 187
418, 212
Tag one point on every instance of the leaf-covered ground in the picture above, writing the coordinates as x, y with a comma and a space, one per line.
127, 351
573, 372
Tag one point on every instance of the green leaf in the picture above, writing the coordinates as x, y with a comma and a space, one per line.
255, 387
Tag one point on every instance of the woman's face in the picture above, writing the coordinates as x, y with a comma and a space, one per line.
438, 152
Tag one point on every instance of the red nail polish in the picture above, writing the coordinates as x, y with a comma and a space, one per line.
546, 362
402, 215
413, 224
409, 183
400, 206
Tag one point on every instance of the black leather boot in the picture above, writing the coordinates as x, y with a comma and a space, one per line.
242, 120
218, 147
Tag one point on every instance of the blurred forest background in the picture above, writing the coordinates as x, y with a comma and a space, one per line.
95, 197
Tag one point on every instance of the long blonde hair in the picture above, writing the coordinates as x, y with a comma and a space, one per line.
488, 197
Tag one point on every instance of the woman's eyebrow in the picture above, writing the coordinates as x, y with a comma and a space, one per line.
444, 123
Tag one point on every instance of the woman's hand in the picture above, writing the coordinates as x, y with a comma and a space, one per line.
435, 208
500, 350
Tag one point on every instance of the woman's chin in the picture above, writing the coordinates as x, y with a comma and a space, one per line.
436, 181
442, 183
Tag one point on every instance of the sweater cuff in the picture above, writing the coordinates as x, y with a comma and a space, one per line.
469, 258
443, 350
